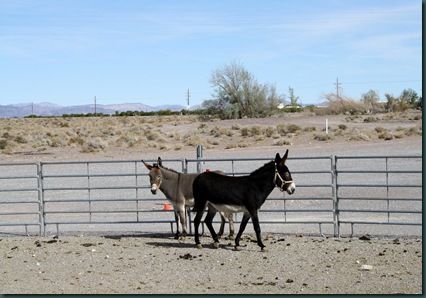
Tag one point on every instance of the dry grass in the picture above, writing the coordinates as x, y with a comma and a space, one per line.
168, 133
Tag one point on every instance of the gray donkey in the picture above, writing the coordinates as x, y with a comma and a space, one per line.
177, 187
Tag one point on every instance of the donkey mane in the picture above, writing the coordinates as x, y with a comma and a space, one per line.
167, 169
261, 169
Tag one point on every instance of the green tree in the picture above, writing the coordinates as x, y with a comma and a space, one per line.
408, 97
392, 102
371, 100
292, 97
237, 94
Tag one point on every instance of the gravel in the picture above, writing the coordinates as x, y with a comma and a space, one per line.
158, 264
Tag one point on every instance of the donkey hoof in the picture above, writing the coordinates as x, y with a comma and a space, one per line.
237, 248
199, 246
264, 249
216, 244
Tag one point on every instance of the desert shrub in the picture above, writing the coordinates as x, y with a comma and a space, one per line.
7, 136
231, 146
94, 145
151, 144
380, 129
282, 142
322, 137
292, 128
213, 142
370, 119
191, 140
164, 146
309, 129
76, 141
358, 135
244, 132
178, 147
342, 126
412, 131
243, 145
20, 140
3, 144
352, 118
235, 127
284, 129
269, 131
346, 106
256, 131
151, 135
387, 136
57, 141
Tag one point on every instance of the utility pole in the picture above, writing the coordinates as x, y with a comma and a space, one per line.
337, 88
187, 100
95, 105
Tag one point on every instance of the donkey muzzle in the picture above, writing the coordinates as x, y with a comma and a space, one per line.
154, 189
291, 188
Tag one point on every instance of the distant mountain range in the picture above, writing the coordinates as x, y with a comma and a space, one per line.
49, 109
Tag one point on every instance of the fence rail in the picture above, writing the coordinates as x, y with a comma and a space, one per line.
335, 195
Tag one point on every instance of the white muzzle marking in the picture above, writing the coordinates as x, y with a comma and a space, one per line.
291, 188
154, 188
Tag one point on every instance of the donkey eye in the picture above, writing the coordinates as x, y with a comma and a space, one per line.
286, 174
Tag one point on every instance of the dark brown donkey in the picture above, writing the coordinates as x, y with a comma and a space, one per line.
177, 187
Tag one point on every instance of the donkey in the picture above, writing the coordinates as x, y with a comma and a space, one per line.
177, 187
239, 194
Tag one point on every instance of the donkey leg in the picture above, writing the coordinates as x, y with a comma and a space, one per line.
256, 226
208, 221
231, 225
222, 225
182, 218
197, 221
243, 225
177, 226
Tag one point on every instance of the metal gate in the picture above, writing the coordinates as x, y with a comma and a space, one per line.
335, 195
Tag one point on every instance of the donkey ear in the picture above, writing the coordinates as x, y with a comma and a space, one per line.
147, 165
159, 162
284, 157
277, 158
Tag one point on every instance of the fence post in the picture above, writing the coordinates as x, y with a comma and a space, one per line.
40, 200
335, 196
199, 156
41, 194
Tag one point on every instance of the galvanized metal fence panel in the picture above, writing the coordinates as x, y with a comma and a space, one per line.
99, 193
335, 195
391, 185
20, 200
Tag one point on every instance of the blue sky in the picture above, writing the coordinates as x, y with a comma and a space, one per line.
152, 51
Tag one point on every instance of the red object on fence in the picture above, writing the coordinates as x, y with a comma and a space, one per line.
167, 207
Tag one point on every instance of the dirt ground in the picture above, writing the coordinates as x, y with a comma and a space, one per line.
158, 264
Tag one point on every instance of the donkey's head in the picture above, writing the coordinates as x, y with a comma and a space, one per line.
282, 177
155, 175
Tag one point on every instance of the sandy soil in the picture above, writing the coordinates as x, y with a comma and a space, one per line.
156, 263
159, 264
